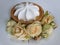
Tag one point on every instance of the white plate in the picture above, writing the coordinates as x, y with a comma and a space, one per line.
51, 5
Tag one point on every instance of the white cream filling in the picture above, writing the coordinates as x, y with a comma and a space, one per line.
26, 11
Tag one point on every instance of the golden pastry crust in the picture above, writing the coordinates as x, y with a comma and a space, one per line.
38, 18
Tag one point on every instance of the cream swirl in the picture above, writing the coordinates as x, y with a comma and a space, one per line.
26, 11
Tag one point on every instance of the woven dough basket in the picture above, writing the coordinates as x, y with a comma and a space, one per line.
38, 18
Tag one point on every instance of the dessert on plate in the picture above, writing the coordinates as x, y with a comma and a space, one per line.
29, 21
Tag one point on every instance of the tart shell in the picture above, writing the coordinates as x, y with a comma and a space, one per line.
38, 18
